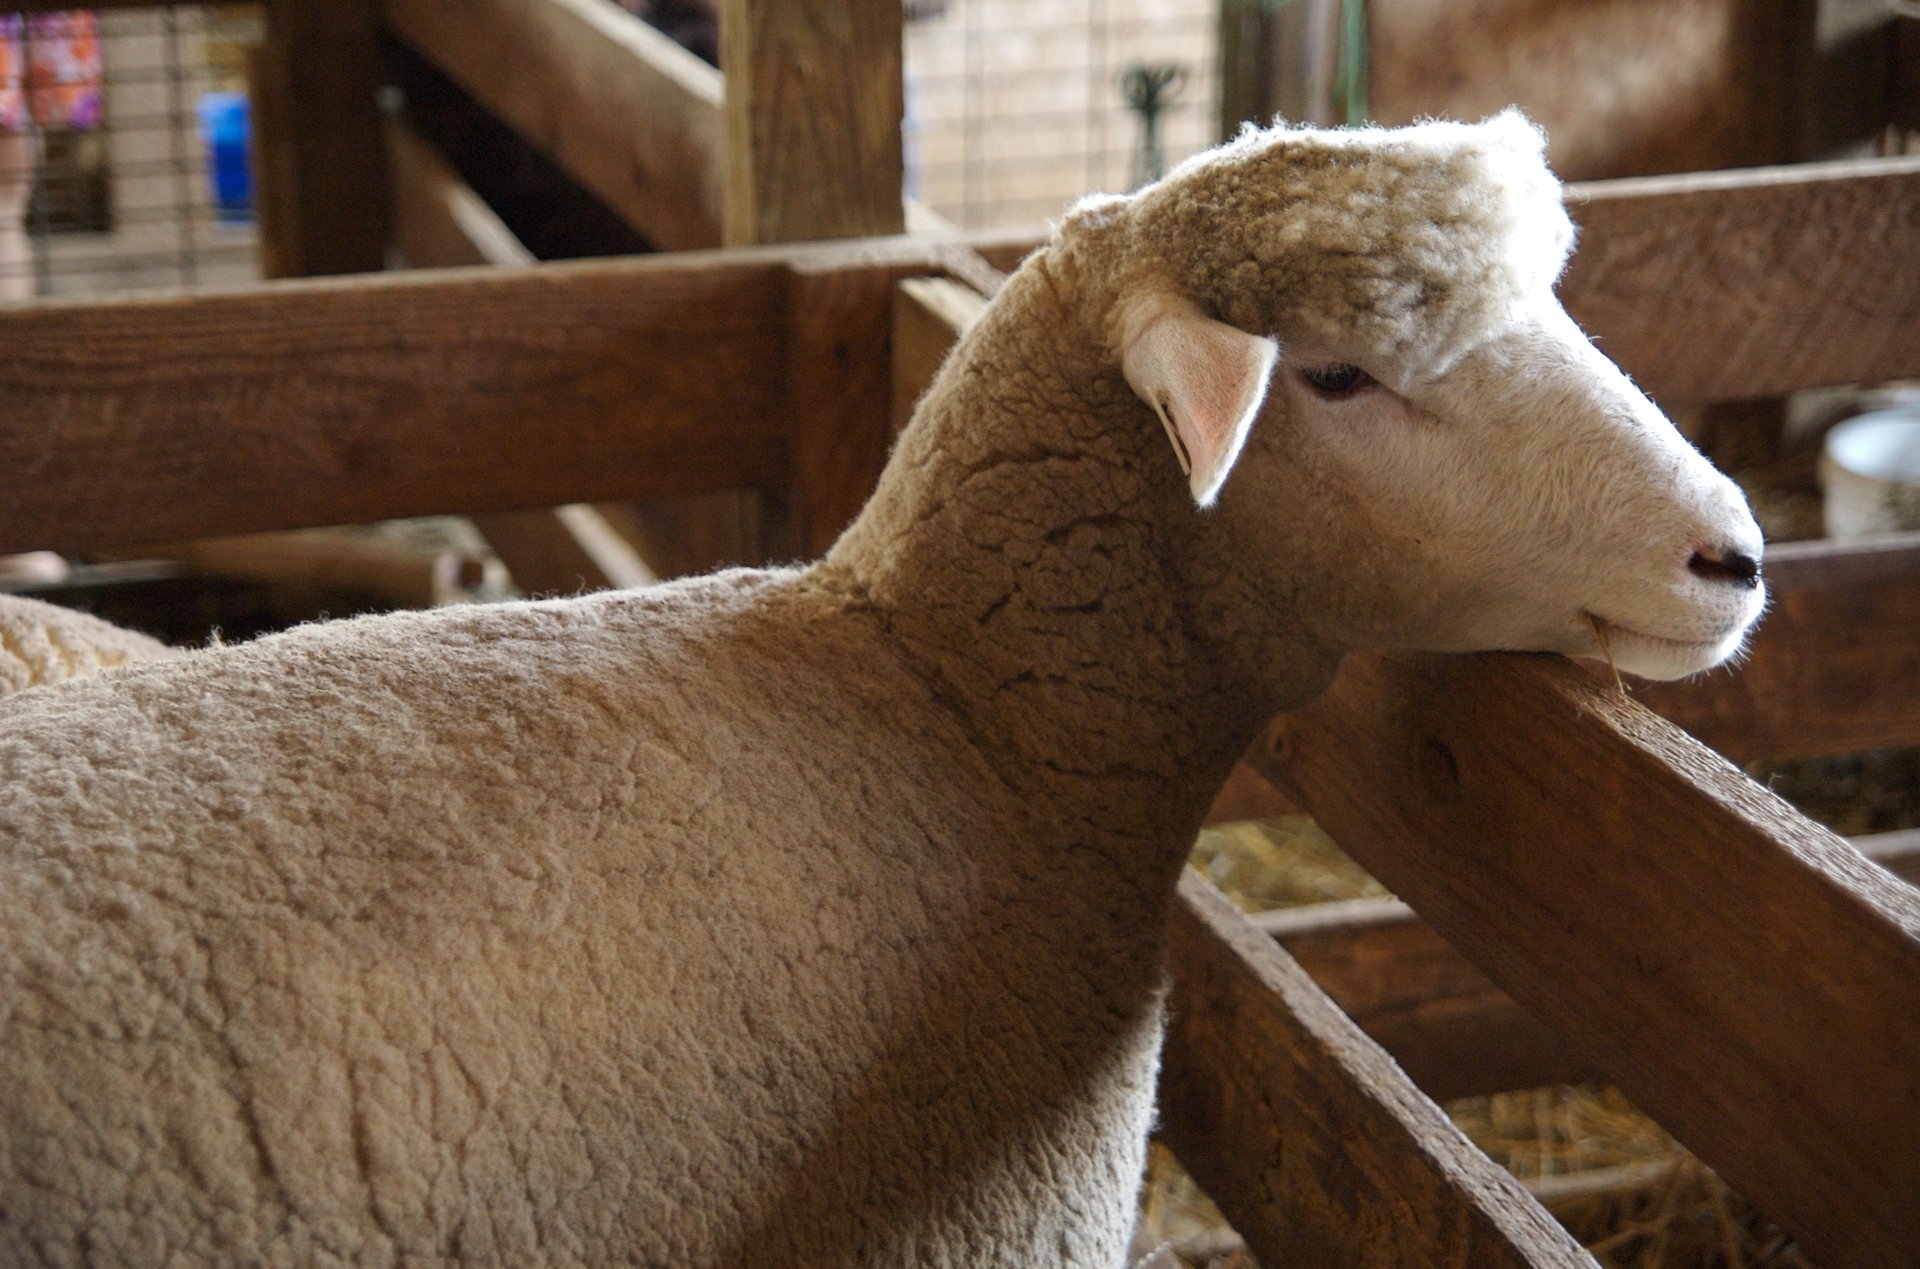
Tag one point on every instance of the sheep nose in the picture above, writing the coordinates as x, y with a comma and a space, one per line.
1725, 564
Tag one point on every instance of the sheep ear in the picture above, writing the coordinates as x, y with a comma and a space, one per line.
1206, 380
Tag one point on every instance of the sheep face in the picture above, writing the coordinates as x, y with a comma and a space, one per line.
1528, 498
1360, 327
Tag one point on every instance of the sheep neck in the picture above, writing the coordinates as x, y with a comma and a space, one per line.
1035, 560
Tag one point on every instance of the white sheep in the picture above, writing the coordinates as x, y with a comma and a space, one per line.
814, 916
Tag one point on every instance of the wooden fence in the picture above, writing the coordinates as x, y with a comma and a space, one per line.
1598, 892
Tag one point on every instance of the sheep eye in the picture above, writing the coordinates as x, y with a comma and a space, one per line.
1336, 380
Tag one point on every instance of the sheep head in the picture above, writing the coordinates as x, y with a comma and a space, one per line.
1359, 327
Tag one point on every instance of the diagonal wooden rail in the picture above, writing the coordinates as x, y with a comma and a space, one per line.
1451, 1029
1744, 975
1316, 1146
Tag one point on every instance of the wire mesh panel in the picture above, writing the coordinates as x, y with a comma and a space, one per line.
1016, 107
123, 150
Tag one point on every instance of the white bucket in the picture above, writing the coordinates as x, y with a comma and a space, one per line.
1870, 470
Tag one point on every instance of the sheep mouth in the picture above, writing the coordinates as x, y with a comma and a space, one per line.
1661, 656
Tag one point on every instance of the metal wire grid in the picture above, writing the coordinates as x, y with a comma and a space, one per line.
1015, 107
128, 205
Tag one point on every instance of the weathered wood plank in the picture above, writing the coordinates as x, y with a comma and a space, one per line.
321, 62
1449, 1027
813, 106
929, 316
1731, 286
317, 403
1743, 975
624, 110
1834, 668
439, 222
839, 393
1316, 1147
1740, 285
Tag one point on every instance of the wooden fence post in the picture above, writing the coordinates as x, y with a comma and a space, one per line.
813, 106
323, 156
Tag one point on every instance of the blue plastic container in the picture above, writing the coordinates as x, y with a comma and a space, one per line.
225, 126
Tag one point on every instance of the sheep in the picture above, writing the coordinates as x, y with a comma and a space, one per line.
814, 916
44, 643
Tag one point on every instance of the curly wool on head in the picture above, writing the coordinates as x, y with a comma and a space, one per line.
1413, 243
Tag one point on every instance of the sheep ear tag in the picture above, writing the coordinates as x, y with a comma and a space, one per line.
1206, 380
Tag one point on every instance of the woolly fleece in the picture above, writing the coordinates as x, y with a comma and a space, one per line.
773, 918
44, 643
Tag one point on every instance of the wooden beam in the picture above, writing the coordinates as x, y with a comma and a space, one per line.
320, 68
813, 150
1313, 1143
316, 403
1449, 1027
563, 551
1741, 973
1734, 285
929, 316
1903, 87
813, 107
1834, 667
628, 113
311, 403
396, 575
439, 222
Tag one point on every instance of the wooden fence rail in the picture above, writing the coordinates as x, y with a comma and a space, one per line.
1744, 975
1316, 1146
1453, 1031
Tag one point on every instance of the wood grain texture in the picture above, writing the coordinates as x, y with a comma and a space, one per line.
1732, 286
839, 394
316, 403
1742, 974
813, 107
1313, 1143
323, 59
439, 222
1623, 87
1449, 1027
1739, 285
1834, 667
625, 111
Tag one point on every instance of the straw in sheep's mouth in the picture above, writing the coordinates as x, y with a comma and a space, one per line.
1605, 630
